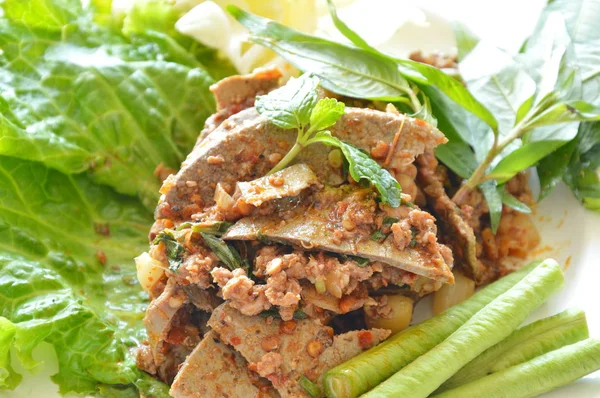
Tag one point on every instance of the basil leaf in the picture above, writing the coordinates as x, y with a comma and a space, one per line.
462, 127
225, 252
493, 195
571, 111
552, 168
498, 81
325, 113
346, 30
465, 39
514, 203
458, 156
430, 75
345, 70
274, 313
581, 18
522, 158
582, 173
290, 106
174, 249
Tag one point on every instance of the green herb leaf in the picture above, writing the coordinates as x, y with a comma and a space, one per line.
353, 71
225, 252
290, 106
362, 167
379, 236
514, 203
581, 18
388, 221
326, 113
274, 313
213, 227
582, 174
360, 261
571, 111
493, 195
65, 276
72, 111
346, 30
552, 168
345, 70
175, 250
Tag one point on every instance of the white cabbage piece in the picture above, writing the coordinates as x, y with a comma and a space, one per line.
211, 25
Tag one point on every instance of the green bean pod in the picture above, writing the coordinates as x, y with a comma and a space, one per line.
537, 376
526, 343
492, 324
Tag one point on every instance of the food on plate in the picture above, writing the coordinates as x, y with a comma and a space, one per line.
297, 229
364, 372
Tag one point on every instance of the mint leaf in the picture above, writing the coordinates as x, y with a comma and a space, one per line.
362, 167
325, 113
290, 106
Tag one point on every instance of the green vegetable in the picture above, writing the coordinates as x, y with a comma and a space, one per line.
524, 344
296, 106
366, 370
514, 203
66, 277
274, 312
582, 172
360, 261
225, 252
175, 250
489, 326
9, 379
352, 71
85, 98
311, 388
216, 227
537, 376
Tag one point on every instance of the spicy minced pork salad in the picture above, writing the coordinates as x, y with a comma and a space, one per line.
305, 193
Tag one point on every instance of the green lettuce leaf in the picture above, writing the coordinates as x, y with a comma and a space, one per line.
87, 98
67, 276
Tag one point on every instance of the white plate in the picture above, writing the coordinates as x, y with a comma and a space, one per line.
570, 233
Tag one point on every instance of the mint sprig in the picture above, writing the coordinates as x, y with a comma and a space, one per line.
296, 106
